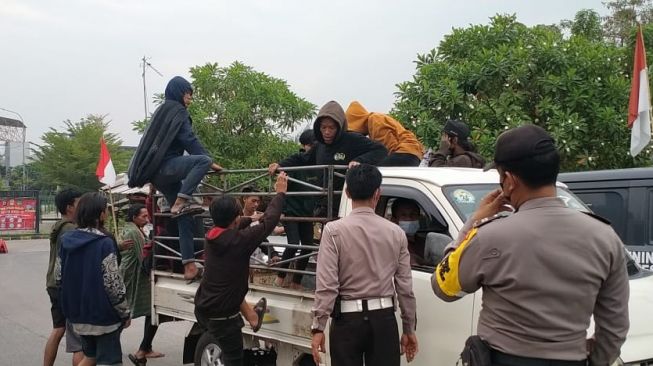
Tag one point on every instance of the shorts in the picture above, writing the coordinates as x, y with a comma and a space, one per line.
58, 319
105, 348
73, 341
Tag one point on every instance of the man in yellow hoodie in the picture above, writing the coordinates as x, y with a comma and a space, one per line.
403, 147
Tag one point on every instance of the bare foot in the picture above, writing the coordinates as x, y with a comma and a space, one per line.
190, 271
179, 203
252, 319
279, 281
296, 286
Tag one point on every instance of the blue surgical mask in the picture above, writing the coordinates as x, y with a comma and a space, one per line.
409, 227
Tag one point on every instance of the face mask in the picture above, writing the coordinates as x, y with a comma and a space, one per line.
409, 227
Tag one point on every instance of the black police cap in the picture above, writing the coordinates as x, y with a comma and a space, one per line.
521, 143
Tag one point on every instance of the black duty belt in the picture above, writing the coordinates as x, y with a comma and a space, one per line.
504, 359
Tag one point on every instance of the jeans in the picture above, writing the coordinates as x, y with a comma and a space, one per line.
370, 336
179, 177
148, 335
297, 232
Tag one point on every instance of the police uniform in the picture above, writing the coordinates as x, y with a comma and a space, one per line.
544, 270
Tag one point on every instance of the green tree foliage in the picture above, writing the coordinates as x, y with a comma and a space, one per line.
69, 158
624, 16
506, 74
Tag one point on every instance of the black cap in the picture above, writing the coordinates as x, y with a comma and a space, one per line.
457, 128
520, 143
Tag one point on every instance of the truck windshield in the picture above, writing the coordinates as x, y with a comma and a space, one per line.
466, 198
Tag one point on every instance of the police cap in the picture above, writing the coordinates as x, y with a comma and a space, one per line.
521, 143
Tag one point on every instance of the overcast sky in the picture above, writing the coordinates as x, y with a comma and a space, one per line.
64, 59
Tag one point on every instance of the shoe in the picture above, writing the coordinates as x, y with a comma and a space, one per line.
260, 308
137, 361
197, 277
188, 209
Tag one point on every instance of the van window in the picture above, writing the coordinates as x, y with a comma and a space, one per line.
419, 216
609, 204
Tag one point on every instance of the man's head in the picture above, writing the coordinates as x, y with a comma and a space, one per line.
91, 211
405, 213
180, 90
250, 203
329, 129
307, 140
457, 133
137, 213
364, 184
528, 163
66, 201
225, 211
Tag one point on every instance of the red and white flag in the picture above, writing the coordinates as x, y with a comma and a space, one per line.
105, 172
639, 106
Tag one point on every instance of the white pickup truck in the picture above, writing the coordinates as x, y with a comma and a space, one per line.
447, 197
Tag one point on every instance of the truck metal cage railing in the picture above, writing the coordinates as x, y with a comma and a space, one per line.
232, 186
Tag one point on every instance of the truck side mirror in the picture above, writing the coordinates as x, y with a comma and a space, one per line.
434, 247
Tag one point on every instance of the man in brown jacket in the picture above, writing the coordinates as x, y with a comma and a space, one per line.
364, 261
228, 247
545, 270
455, 148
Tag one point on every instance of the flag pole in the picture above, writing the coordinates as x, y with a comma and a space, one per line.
113, 214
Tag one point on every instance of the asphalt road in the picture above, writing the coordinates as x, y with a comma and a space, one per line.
25, 321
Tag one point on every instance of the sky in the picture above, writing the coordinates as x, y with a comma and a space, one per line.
64, 59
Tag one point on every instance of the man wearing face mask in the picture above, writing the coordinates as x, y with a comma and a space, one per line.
405, 213
545, 270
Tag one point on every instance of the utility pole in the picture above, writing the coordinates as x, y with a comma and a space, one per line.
145, 64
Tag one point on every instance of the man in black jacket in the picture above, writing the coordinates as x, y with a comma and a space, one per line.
228, 247
335, 146
160, 159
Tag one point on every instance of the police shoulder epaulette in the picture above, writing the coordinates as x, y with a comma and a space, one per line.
600, 218
488, 220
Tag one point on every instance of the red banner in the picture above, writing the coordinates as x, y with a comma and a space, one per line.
17, 213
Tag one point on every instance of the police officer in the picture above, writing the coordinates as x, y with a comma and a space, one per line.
364, 261
544, 270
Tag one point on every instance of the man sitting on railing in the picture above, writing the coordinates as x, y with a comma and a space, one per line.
229, 244
160, 159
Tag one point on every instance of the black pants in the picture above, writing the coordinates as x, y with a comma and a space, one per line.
229, 337
149, 332
400, 159
297, 232
372, 336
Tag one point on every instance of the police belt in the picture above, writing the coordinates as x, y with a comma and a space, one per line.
505, 359
357, 306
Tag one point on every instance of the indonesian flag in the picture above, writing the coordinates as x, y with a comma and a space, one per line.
639, 106
105, 172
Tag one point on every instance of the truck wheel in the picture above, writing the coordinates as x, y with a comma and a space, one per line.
207, 351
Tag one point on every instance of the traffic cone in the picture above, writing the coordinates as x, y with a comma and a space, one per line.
3, 247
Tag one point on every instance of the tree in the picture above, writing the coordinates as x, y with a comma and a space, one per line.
506, 74
624, 16
243, 116
69, 157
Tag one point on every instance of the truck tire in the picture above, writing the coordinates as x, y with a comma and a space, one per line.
207, 351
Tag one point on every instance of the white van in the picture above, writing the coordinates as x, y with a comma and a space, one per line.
447, 197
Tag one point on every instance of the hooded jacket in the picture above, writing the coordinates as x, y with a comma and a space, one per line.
168, 135
346, 147
384, 129
58, 229
226, 265
92, 293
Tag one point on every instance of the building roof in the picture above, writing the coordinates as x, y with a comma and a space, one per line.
10, 122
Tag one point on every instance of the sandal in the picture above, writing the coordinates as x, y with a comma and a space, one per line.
137, 361
197, 277
260, 308
188, 209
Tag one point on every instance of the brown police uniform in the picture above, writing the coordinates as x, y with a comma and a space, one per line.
544, 270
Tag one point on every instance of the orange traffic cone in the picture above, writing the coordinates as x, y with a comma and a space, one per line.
3, 247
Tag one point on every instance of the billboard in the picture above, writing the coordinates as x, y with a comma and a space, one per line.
18, 213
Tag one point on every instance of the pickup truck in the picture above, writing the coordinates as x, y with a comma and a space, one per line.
447, 197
